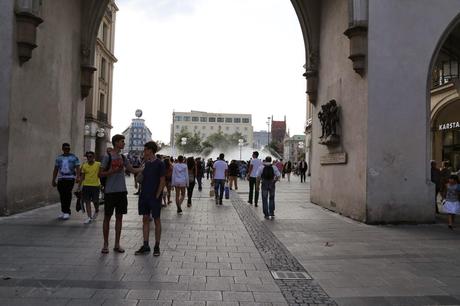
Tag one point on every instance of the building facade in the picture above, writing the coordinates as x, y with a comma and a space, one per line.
278, 134
294, 148
136, 135
205, 124
98, 106
445, 103
261, 139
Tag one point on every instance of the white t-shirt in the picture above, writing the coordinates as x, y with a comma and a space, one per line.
219, 169
256, 163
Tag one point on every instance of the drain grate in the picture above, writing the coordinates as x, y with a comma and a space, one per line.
290, 275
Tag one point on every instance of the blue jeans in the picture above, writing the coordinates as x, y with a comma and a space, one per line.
219, 185
268, 198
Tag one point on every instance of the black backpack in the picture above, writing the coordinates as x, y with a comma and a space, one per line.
268, 174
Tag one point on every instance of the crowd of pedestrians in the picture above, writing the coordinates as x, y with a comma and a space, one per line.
155, 178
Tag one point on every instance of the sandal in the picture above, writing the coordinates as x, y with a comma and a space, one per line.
118, 250
105, 251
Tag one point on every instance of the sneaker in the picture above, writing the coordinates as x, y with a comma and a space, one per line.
179, 211
156, 251
272, 215
267, 217
220, 202
65, 217
249, 202
87, 221
61, 215
94, 217
142, 250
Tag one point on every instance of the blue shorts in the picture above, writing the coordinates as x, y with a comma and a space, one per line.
150, 206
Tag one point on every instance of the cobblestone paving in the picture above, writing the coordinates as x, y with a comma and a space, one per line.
278, 258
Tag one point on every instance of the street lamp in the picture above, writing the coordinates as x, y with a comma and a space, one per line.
240, 144
268, 131
183, 141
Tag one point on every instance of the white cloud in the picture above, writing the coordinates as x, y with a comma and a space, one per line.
243, 56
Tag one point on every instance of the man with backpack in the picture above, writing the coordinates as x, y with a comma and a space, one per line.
268, 174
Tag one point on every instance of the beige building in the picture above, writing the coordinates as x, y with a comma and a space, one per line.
445, 103
98, 112
206, 124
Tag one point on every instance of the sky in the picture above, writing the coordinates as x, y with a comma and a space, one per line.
238, 56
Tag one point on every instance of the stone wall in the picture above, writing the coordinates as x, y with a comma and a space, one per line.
403, 39
341, 188
46, 108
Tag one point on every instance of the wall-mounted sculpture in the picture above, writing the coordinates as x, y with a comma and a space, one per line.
329, 117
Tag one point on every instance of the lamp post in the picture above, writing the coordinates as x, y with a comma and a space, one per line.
240, 144
183, 142
268, 131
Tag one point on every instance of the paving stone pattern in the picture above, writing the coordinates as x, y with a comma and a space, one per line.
278, 258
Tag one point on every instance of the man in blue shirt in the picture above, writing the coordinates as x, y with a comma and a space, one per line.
67, 171
153, 183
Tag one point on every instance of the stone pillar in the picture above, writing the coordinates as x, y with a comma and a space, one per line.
6, 61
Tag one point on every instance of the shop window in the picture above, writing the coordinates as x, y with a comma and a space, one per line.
448, 138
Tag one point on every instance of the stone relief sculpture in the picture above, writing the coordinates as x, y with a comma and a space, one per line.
329, 118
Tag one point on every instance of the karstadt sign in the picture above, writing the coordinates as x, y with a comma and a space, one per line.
448, 126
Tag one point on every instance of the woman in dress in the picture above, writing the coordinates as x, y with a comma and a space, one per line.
451, 204
180, 181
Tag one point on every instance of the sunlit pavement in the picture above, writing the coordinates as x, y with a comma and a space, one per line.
220, 255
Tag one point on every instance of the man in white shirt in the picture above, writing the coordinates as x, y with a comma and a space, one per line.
268, 175
219, 176
254, 166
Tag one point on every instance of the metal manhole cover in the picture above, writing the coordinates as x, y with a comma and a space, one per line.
290, 275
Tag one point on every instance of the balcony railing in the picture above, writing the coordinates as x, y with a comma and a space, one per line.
445, 72
101, 116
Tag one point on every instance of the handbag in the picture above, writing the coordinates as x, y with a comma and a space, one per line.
212, 193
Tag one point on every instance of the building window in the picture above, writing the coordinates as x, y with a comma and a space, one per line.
237, 120
101, 102
203, 119
103, 72
212, 119
195, 119
245, 120
105, 34
178, 118
228, 120
220, 119
186, 118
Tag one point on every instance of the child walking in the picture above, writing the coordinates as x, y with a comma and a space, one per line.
451, 195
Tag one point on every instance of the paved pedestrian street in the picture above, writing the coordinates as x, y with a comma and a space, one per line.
224, 255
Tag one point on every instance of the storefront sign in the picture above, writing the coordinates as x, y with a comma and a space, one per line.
448, 126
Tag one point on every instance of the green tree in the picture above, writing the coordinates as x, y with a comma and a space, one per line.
193, 143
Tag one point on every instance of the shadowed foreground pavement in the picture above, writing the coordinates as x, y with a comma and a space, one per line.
223, 255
